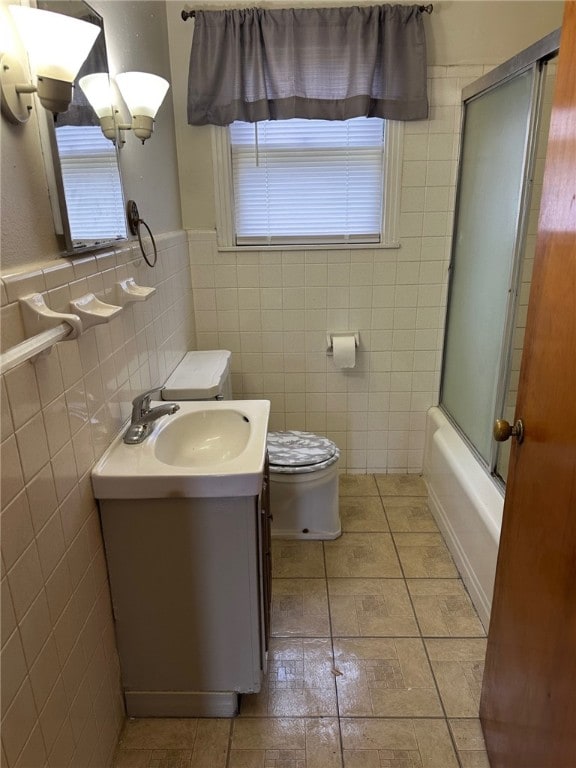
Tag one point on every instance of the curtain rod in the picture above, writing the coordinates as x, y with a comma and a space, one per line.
191, 14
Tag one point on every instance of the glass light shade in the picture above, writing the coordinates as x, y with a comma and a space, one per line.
97, 90
57, 45
142, 92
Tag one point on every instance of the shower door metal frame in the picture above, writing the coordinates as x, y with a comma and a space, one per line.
535, 57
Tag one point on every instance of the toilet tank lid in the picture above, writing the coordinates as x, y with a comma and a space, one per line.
199, 376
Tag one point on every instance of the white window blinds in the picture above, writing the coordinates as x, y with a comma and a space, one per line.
308, 181
94, 198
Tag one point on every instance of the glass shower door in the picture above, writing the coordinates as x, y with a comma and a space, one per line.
525, 272
488, 234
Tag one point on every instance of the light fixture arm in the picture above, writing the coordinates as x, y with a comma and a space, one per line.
142, 127
118, 129
25, 88
114, 130
54, 95
15, 106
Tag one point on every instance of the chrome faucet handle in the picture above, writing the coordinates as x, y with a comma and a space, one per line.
141, 403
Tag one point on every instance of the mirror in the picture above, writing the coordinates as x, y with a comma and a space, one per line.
87, 172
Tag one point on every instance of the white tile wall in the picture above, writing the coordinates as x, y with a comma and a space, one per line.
273, 309
61, 700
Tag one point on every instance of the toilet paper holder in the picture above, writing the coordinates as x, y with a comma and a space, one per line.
331, 336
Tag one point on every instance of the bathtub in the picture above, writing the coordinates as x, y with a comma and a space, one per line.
467, 506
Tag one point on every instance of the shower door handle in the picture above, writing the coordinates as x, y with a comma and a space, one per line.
503, 430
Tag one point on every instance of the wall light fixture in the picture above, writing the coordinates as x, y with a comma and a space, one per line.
57, 46
97, 90
143, 94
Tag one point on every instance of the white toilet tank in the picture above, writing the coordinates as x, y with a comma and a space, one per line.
202, 375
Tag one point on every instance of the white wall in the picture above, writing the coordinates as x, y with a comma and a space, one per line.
273, 309
136, 36
61, 696
488, 31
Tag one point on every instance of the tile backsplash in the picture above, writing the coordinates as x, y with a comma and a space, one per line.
273, 309
61, 700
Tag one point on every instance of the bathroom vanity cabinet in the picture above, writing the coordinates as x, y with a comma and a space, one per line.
190, 581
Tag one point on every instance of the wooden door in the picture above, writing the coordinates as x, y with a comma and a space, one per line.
528, 706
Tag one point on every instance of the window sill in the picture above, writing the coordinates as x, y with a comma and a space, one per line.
309, 247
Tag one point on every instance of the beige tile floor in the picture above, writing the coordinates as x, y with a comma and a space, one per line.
376, 655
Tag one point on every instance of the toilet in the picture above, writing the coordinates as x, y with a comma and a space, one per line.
303, 466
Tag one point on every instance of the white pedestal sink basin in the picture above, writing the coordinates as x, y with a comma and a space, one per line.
204, 450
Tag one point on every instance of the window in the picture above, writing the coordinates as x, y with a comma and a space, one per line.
308, 182
94, 198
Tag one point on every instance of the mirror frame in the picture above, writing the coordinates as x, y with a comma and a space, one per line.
53, 162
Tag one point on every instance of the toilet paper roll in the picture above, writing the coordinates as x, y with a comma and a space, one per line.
344, 351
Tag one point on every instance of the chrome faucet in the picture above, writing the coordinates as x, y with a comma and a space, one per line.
143, 416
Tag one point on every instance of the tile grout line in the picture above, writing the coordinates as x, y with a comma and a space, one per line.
230, 737
445, 718
403, 578
333, 656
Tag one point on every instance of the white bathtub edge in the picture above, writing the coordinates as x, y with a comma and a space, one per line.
481, 601
467, 506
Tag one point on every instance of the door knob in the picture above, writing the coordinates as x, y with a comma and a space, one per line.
503, 430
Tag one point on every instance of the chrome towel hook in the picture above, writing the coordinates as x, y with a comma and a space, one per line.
134, 223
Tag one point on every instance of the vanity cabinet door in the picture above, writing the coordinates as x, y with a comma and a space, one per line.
187, 579
266, 553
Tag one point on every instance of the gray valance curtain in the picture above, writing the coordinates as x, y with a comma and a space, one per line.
321, 63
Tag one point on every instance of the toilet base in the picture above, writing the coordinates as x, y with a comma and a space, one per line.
305, 505
310, 536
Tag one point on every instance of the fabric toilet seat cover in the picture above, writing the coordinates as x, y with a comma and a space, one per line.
293, 452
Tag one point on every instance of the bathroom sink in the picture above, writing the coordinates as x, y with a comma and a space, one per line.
203, 438
206, 449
